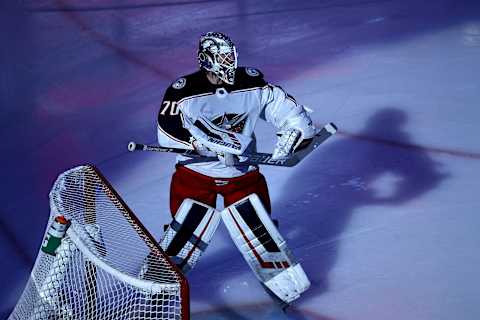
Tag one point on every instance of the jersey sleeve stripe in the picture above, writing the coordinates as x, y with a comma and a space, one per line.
194, 96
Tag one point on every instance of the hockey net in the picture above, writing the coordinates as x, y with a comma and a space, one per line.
108, 265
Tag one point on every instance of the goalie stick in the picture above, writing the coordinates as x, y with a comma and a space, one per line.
253, 158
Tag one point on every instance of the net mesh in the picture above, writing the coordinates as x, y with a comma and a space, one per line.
107, 267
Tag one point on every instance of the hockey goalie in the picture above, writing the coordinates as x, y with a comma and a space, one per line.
213, 112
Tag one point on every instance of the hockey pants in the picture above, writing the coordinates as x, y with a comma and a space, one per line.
246, 216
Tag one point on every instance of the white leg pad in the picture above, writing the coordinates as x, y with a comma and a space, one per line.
189, 233
264, 248
289, 284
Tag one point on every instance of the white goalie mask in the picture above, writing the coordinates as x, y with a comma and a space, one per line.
217, 53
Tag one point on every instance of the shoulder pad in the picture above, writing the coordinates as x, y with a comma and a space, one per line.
185, 86
247, 77
185, 81
179, 83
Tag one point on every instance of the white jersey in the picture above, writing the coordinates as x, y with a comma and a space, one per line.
233, 107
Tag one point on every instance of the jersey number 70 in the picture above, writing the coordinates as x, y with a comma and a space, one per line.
172, 105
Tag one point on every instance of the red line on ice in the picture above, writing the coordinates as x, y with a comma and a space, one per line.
398, 144
105, 41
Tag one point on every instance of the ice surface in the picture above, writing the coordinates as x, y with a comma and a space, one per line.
384, 217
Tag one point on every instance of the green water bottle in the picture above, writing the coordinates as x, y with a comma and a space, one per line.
55, 234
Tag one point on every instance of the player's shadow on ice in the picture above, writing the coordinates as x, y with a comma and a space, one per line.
373, 167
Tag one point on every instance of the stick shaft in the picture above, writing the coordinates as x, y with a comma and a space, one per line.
256, 158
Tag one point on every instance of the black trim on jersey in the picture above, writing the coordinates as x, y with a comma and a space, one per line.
198, 84
245, 81
171, 122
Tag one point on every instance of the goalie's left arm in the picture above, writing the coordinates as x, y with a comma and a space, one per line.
295, 128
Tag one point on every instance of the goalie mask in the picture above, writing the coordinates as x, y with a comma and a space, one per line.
217, 53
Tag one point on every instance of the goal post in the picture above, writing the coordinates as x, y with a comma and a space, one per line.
108, 265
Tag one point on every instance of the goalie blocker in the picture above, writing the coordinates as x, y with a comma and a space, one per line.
254, 234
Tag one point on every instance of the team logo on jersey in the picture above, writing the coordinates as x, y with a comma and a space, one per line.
252, 72
231, 121
180, 83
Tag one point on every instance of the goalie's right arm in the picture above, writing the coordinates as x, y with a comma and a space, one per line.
170, 130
